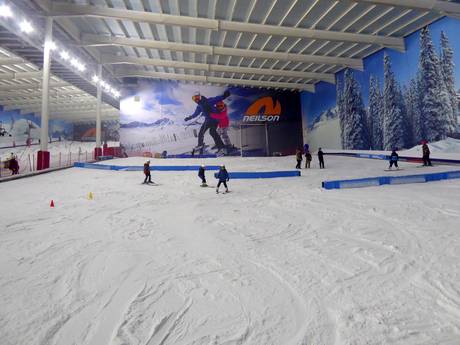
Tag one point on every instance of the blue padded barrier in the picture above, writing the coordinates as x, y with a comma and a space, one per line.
194, 156
141, 168
390, 180
387, 157
262, 174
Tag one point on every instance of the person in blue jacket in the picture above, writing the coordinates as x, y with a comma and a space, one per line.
394, 159
204, 107
202, 176
223, 177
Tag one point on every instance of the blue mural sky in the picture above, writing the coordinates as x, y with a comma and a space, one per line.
404, 65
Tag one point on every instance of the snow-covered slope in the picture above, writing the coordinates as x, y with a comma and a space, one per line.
275, 262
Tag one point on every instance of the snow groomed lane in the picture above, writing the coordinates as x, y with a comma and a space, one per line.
274, 262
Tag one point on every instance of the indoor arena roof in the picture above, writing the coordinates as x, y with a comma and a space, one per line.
287, 44
20, 89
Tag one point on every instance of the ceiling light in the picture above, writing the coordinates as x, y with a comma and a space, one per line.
5, 11
65, 55
52, 45
26, 27
95, 79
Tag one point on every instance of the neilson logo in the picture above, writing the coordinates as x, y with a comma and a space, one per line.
263, 109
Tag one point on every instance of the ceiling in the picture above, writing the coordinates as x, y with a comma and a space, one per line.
20, 89
285, 44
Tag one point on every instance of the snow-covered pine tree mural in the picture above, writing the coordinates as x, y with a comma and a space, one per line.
399, 101
435, 104
354, 115
393, 118
376, 114
447, 69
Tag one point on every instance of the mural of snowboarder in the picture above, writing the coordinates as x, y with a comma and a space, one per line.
205, 108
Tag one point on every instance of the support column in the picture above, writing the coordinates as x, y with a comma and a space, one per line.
98, 149
43, 156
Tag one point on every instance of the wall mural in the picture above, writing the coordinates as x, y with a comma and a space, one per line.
18, 130
398, 100
183, 118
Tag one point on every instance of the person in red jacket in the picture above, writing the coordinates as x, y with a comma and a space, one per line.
219, 112
148, 177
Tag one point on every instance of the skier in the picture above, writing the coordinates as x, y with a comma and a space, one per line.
223, 177
394, 159
307, 159
298, 156
202, 176
204, 108
426, 154
148, 177
219, 112
321, 158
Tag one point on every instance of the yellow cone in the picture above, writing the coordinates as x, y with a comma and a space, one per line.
90, 196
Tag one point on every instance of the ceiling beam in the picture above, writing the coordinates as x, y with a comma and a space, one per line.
113, 59
20, 75
56, 93
75, 113
215, 80
446, 8
11, 61
38, 101
89, 40
32, 86
67, 9
64, 108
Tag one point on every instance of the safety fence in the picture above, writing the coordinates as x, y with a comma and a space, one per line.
27, 163
232, 175
387, 157
390, 180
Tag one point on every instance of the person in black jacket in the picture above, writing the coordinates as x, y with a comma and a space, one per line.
307, 159
321, 158
202, 176
394, 159
426, 154
223, 177
298, 157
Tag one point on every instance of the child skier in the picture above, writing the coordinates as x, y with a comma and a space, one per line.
202, 176
321, 158
298, 156
148, 177
223, 177
394, 159
307, 159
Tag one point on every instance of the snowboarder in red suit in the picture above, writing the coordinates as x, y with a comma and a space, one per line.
148, 177
219, 112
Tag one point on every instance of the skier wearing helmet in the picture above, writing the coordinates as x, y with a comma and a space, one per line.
223, 177
204, 108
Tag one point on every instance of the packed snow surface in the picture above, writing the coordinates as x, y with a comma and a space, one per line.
277, 261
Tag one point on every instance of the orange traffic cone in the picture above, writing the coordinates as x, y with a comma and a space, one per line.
52, 203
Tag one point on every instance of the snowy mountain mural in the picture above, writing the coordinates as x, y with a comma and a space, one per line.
394, 102
156, 117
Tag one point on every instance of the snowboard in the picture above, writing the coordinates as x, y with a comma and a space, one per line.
150, 184
425, 166
204, 186
393, 169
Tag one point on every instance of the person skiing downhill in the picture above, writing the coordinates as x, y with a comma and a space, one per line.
321, 158
298, 157
426, 154
148, 177
393, 159
223, 177
204, 108
220, 113
201, 175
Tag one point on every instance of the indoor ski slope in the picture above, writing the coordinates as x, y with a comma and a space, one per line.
277, 261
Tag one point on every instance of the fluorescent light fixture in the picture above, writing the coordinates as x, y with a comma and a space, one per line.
81, 67
65, 55
52, 45
116, 93
95, 79
26, 27
5, 11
